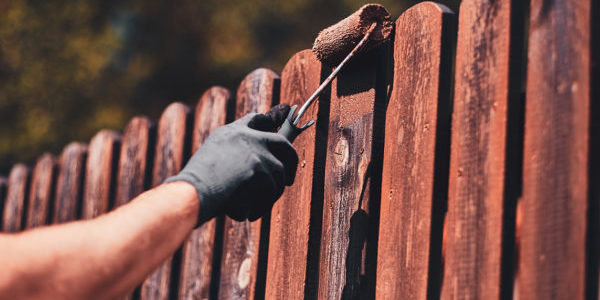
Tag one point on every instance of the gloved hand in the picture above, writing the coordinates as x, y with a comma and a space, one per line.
242, 168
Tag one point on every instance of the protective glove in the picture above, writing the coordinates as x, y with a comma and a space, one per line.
242, 168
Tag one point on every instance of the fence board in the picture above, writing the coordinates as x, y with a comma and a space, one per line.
476, 198
239, 269
290, 217
197, 254
69, 184
14, 206
98, 185
171, 152
3, 184
554, 204
41, 191
347, 233
414, 136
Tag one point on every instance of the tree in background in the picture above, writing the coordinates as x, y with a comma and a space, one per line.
69, 68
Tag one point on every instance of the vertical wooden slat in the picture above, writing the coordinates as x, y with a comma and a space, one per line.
171, 145
347, 233
416, 130
241, 240
3, 184
41, 191
69, 184
290, 217
137, 145
14, 206
97, 188
197, 254
476, 196
555, 160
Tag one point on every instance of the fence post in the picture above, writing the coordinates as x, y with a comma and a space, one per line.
553, 209
14, 206
415, 164
198, 251
41, 191
291, 215
69, 192
242, 240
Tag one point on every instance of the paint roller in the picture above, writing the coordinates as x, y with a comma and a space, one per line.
360, 32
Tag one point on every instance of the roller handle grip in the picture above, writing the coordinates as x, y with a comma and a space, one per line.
289, 130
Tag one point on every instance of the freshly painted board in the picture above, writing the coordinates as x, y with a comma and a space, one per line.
41, 191
291, 215
553, 209
69, 184
348, 229
476, 217
416, 131
240, 264
197, 255
137, 146
16, 193
170, 154
98, 185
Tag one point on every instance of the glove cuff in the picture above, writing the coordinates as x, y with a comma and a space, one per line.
206, 195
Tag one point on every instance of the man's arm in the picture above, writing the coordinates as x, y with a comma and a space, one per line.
102, 258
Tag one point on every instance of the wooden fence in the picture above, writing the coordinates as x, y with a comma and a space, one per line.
455, 162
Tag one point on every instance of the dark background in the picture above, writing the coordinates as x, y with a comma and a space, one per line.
69, 68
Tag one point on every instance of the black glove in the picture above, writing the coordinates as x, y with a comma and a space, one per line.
241, 169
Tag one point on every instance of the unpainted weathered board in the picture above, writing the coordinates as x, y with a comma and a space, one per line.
348, 228
14, 206
239, 268
170, 154
552, 232
137, 146
416, 131
69, 184
41, 191
291, 215
100, 165
476, 196
197, 254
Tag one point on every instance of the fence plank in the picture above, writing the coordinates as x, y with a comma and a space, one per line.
554, 204
347, 232
69, 184
3, 184
14, 206
98, 187
290, 217
171, 152
476, 196
135, 161
239, 269
197, 254
416, 130
41, 191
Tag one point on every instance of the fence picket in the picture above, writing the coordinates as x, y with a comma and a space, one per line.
170, 154
553, 209
240, 265
3, 184
416, 154
197, 255
41, 191
69, 183
291, 215
14, 206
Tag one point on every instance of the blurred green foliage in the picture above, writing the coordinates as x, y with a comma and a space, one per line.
69, 68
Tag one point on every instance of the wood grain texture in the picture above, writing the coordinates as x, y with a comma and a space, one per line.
413, 134
69, 184
290, 217
257, 93
41, 191
170, 154
555, 161
14, 205
474, 226
98, 185
3, 185
197, 254
346, 228
137, 147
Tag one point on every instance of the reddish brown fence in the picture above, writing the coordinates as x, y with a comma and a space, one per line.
456, 161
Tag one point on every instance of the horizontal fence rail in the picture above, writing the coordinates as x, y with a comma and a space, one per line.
443, 165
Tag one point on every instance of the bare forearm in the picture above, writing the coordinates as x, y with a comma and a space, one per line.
100, 258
